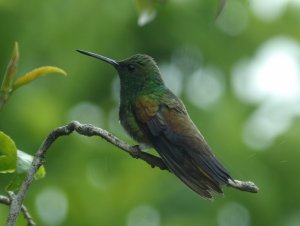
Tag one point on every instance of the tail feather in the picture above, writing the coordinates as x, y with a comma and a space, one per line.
187, 169
185, 152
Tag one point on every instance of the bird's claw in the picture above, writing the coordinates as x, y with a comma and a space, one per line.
135, 151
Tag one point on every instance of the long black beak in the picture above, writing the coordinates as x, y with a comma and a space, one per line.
103, 58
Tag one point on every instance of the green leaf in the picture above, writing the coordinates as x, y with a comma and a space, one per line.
41, 173
8, 154
15, 184
23, 165
36, 73
147, 11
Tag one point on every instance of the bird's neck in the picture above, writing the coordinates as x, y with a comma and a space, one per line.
128, 95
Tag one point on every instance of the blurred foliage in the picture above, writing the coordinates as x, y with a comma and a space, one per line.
92, 183
147, 11
16, 162
9, 84
24, 162
11, 159
8, 154
8, 78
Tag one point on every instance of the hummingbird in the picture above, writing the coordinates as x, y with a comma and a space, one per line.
154, 116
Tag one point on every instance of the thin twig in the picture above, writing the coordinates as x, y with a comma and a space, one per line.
83, 129
248, 186
5, 200
90, 130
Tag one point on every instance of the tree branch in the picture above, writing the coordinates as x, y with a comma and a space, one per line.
83, 129
90, 130
248, 186
5, 200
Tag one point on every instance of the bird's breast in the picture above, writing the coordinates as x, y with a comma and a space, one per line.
131, 125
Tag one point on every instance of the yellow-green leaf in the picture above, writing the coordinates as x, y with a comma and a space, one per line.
41, 173
36, 73
8, 154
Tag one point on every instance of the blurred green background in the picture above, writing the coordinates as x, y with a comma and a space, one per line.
239, 77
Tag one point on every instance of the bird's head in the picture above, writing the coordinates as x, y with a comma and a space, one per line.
138, 72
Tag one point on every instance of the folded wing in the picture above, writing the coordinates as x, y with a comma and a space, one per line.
180, 144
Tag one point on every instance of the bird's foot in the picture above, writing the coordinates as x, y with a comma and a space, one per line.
136, 151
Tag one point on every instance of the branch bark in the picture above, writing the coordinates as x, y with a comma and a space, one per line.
82, 129
5, 200
90, 130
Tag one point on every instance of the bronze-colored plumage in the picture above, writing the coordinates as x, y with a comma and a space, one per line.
153, 115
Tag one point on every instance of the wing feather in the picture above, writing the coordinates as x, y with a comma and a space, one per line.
180, 144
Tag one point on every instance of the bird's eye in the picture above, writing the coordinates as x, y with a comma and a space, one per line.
131, 67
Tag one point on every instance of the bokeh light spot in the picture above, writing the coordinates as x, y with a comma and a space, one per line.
187, 58
293, 220
274, 73
233, 214
172, 77
146, 16
234, 18
86, 112
143, 215
267, 10
51, 206
272, 81
115, 89
266, 123
205, 87
98, 173
270, 10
